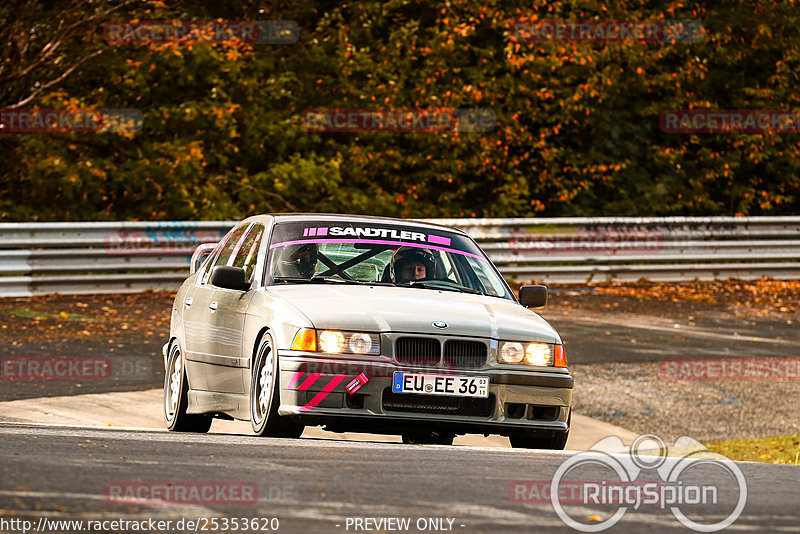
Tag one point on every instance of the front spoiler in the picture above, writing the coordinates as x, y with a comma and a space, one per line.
313, 393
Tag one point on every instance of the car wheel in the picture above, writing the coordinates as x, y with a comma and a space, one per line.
428, 438
176, 389
265, 396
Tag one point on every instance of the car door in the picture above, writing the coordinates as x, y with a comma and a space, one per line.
197, 312
194, 315
230, 360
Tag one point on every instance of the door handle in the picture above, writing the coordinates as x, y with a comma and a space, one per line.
188, 302
214, 305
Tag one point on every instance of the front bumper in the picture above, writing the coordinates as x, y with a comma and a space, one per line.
313, 392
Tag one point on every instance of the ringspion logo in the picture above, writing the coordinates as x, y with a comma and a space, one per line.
690, 479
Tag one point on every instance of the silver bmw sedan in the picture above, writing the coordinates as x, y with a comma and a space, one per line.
362, 324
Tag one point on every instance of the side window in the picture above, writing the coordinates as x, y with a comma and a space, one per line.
205, 271
248, 251
224, 251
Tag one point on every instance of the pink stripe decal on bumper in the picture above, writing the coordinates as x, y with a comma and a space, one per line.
335, 381
309, 381
295, 379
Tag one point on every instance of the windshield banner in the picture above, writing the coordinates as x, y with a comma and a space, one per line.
368, 234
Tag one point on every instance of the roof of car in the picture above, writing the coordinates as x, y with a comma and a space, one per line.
355, 218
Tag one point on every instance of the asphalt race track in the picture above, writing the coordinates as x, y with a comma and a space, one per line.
338, 485
316, 485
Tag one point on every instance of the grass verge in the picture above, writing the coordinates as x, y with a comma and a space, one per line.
771, 450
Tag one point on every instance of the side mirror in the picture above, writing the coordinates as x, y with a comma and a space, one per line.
229, 278
199, 255
533, 296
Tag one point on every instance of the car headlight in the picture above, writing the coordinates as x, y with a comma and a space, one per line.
336, 342
511, 352
535, 353
538, 354
361, 343
331, 341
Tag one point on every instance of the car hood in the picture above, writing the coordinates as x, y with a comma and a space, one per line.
397, 309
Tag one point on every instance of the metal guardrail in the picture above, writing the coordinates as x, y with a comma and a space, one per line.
111, 257
108, 257
578, 250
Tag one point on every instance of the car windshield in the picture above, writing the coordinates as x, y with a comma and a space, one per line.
379, 253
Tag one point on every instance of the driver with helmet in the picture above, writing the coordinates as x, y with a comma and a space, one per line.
411, 263
297, 261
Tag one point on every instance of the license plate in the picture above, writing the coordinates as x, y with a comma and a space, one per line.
454, 386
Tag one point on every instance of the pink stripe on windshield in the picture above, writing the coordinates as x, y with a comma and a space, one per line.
439, 240
377, 242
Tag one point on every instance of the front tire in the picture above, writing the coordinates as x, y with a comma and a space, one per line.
176, 389
265, 396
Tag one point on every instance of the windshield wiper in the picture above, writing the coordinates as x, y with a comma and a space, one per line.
442, 284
